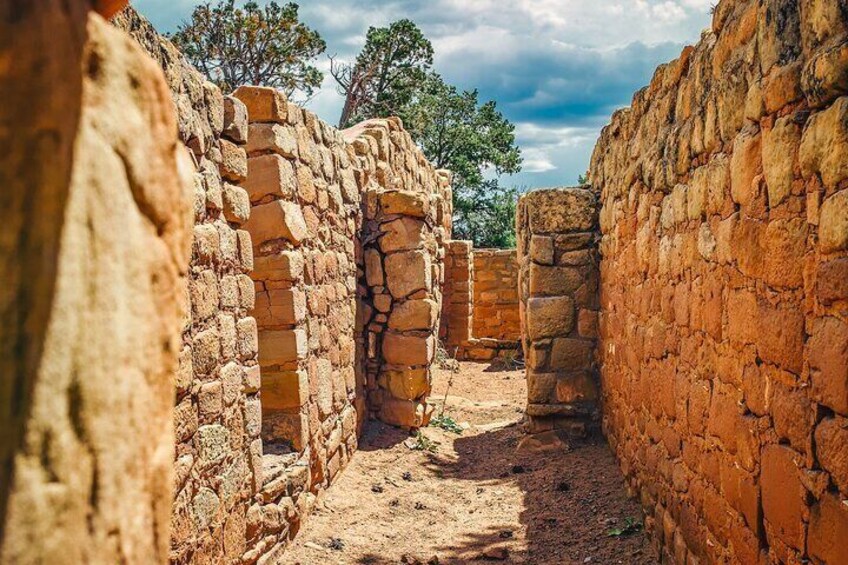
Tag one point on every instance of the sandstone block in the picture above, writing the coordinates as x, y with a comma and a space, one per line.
283, 266
247, 337
284, 390
233, 165
832, 281
561, 210
550, 317
414, 315
571, 354
833, 222
402, 234
745, 165
828, 350
825, 144
374, 268
404, 203
780, 152
269, 175
783, 495
408, 272
410, 384
264, 104
279, 347
405, 413
832, 450
235, 120
554, 281
236, 204
276, 220
408, 350
576, 387
828, 529
542, 250
272, 138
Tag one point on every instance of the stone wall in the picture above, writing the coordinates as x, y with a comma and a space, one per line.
407, 206
725, 259
556, 230
480, 316
496, 295
94, 247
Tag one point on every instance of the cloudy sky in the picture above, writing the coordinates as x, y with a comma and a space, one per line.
557, 68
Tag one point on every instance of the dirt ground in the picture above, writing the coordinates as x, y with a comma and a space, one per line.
475, 497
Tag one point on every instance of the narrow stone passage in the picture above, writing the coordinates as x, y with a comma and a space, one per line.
477, 497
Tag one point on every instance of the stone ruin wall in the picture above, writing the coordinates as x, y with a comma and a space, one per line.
97, 190
496, 295
276, 367
407, 223
557, 234
480, 315
724, 333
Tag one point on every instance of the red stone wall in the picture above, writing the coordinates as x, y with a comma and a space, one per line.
496, 295
724, 323
457, 304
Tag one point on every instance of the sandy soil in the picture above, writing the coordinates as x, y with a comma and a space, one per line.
476, 498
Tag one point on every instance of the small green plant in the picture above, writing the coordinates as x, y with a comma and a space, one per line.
444, 360
420, 442
631, 526
446, 423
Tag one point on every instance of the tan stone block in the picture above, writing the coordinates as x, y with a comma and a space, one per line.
780, 152
247, 337
210, 401
832, 450
279, 347
269, 175
550, 317
374, 268
542, 250
571, 354
285, 389
832, 281
286, 306
408, 272
405, 414
414, 315
404, 203
235, 120
276, 220
587, 323
554, 281
272, 138
233, 165
745, 165
408, 350
410, 384
203, 290
560, 210
402, 234
283, 266
245, 250
264, 104
205, 351
252, 379
833, 222
383, 303
206, 244
825, 144
236, 204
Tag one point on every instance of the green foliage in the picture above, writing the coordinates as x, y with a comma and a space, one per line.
631, 526
583, 180
251, 45
392, 77
392, 65
446, 423
420, 442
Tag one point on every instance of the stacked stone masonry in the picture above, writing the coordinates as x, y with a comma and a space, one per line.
288, 214
724, 288
558, 277
407, 207
480, 316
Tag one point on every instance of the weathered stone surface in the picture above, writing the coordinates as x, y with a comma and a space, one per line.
833, 223
414, 315
408, 272
402, 234
783, 502
271, 138
405, 203
828, 348
282, 346
410, 384
825, 143
276, 220
269, 175
117, 190
550, 317
561, 210
780, 150
284, 390
235, 120
828, 526
408, 350
233, 165
264, 104
236, 204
